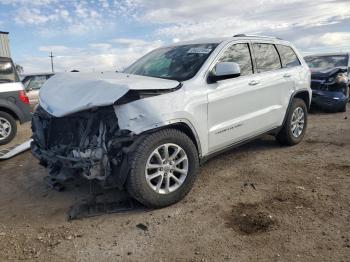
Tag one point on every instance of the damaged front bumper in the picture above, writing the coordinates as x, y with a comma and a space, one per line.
330, 89
329, 100
89, 143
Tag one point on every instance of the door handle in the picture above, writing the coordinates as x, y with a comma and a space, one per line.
253, 83
287, 75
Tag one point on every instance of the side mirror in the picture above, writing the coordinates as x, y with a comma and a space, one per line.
225, 70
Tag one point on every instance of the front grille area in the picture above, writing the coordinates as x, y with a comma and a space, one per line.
80, 130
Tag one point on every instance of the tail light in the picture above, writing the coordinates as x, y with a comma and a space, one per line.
23, 97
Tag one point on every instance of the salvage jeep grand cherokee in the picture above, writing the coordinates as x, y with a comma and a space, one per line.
148, 128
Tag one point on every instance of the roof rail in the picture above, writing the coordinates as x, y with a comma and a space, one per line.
257, 36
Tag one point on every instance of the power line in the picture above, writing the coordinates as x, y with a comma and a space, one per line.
51, 56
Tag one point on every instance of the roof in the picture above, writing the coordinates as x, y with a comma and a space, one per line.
2, 32
224, 39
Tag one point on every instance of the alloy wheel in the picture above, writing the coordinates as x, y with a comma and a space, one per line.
166, 168
298, 122
5, 128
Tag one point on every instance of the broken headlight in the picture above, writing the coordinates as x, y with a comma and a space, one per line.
341, 78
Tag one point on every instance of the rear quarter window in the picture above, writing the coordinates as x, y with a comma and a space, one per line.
266, 57
288, 56
7, 72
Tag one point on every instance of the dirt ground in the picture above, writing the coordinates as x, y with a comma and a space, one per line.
259, 202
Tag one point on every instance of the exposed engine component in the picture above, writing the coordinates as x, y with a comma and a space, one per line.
89, 142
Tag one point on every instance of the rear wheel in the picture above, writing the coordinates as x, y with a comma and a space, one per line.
295, 125
163, 168
8, 128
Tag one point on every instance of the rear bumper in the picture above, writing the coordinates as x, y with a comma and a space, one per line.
329, 100
26, 115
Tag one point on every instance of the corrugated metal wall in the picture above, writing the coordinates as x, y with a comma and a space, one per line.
4, 45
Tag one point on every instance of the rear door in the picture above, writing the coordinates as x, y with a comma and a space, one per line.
292, 70
273, 86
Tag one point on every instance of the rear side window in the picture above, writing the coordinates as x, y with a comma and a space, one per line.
288, 57
240, 54
7, 72
266, 57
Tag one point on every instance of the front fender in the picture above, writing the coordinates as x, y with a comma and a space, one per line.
163, 110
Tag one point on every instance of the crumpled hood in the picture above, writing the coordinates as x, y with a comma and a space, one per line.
322, 73
68, 93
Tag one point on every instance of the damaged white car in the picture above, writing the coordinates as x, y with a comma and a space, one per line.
148, 129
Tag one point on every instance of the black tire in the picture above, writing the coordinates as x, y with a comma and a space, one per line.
347, 91
13, 131
285, 136
343, 109
137, 185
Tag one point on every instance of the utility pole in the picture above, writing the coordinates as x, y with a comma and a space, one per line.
51, 56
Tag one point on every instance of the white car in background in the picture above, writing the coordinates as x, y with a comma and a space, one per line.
32, 84
149, 128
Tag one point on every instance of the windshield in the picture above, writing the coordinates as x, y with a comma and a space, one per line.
327, 61
177, 62
7, 72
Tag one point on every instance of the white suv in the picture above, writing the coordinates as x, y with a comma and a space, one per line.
148, 129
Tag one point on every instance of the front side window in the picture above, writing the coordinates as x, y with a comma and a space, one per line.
240, 54
288, 57
175, 62
266, 57
7, 72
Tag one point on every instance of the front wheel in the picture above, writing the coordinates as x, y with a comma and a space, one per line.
163, 168
295, 125
343, 109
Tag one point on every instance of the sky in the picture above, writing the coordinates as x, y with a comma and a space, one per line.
107, 35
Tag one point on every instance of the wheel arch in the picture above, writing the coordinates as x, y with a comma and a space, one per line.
9, 111
16, 110
183, 126
302, 94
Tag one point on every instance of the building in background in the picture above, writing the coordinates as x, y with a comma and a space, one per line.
4, 45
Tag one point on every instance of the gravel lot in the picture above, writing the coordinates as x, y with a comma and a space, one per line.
259, 202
